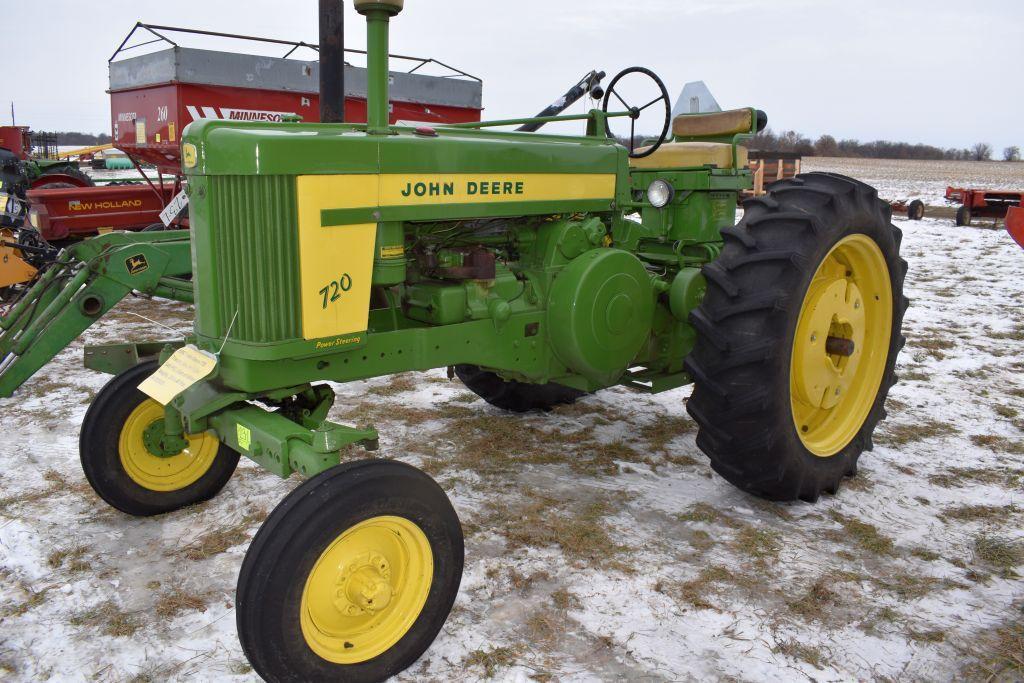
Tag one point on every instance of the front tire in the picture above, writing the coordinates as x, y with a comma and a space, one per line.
125, 473
797, 337
963, 216
518, 397
351, 577
915, 210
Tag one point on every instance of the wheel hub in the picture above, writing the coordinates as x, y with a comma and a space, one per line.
158, 462
366, 590
841, 345
836, 319
364, 585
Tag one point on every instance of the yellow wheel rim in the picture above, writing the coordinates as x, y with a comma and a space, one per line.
841, 345
366, 590
158, 473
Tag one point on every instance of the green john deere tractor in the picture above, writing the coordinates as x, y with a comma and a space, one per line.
539, 267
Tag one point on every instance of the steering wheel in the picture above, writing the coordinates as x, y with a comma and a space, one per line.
634, 112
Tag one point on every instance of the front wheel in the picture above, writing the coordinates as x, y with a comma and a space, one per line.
963, 216
351, 577
125, 462
797, 337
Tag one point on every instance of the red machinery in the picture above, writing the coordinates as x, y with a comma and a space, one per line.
1015, 224
982, 203
17, 139
154, 96
83, 211
44, 169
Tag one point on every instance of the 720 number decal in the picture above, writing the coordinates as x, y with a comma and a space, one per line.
332, 292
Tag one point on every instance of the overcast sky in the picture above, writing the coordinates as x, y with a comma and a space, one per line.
941, 72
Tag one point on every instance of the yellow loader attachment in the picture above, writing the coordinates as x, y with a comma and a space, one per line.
13, 269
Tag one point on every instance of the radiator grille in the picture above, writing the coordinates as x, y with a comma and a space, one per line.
254, 235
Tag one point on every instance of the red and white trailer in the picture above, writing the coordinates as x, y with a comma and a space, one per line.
154, 96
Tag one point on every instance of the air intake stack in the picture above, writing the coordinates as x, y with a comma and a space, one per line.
378, 14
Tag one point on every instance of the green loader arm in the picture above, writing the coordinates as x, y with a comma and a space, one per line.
86, 281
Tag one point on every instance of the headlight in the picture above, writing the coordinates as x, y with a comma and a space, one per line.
660, 193
33, 218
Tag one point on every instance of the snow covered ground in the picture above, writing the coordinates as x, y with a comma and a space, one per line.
600, 545
897, 179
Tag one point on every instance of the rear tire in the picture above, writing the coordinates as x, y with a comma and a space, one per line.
143, 488
748, 360
963, 216
381, 521
518, 397
77, 174
915, 211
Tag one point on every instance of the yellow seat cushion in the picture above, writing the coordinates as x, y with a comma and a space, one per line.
691, 155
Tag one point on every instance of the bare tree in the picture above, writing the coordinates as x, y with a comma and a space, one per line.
1011, 153
981, 152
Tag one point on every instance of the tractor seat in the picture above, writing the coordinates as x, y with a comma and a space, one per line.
691, 155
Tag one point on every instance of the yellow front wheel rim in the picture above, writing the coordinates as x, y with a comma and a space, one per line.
366, 590
162, 473
841, 345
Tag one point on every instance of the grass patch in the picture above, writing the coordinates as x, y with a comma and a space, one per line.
998, 443
58, 484
171, 604
930, 636
697, 591
71, 559
907, 586
998, 654
902, 434
578, 529
701, 540
925, 554
659, 434
914, 376
110, 619
34, 599
956, 477
813, 603
563, 599
397, 384
761, 544
491, 660
979, 513
998, 552
865, 535
219, 540
1006, 411
800, 652
708, 514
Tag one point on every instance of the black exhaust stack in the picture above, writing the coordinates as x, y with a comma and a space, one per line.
332, 61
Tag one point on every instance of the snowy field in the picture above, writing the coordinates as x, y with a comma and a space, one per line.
599, 544
925, 180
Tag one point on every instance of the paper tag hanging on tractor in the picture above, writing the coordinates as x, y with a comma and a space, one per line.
185, 367
173, 208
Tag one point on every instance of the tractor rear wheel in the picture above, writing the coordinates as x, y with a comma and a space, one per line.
518, 397
797, 337
72, 171
351, 577
117, 451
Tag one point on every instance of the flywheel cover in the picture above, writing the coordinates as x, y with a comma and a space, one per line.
599, 313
